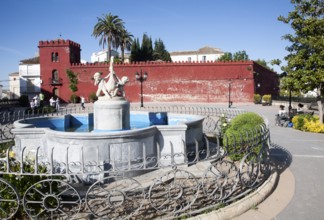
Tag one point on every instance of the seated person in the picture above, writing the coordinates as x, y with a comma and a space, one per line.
282, 114
300, 108
282, 110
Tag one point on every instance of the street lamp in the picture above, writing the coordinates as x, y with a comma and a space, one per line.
229, 95
141, 77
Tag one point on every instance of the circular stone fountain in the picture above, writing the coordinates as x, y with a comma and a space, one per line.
112, 136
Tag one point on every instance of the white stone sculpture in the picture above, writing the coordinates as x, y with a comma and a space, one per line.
114, 86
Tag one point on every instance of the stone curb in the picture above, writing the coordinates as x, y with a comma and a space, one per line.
244, 204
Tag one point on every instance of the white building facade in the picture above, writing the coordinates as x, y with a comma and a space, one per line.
102, 56
27, 81
202, 55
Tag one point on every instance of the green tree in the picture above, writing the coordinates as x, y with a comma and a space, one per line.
237, 56
159, 51
226, 57
135, 51
125, 40
73, 78
305, 61
146, 48
108, 28
240, 55
263, 63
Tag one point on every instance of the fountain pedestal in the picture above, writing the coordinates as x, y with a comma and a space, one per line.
111, 114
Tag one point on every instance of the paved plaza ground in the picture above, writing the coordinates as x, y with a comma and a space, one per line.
300, 160
299, 157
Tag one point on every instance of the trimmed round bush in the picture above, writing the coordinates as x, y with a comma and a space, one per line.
241, 133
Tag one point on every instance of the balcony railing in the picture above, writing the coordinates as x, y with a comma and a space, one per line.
56, 81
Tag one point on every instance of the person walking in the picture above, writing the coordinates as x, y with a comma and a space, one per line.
82, 102
57, 102
41, 99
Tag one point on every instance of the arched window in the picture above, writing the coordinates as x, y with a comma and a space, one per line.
55, 57
55, 77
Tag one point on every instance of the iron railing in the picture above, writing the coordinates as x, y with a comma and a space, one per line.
207, 180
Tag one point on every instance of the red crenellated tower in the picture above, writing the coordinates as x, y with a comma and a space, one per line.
56, 56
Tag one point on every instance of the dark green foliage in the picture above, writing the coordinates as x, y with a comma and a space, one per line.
146, 48
24, 101
108, 29
240, 134
264, 63
305, 59
73, 78
74, 98
146, 51
93, 97
257, 98
125, 39
240, 55
226, 57
159, 52
237, 56
5, 99
135, 51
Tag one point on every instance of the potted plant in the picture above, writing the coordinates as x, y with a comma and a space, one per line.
266, 99
257, 98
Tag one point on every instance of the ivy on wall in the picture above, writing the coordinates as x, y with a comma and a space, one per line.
73, 79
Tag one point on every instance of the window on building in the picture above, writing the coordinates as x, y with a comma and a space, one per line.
55, 57
189, 59
204, 59
55, 76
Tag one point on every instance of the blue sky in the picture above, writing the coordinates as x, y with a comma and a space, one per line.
231, 25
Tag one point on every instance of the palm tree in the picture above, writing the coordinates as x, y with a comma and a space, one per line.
108, 29
125, 41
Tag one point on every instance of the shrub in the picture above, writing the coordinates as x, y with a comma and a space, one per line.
5, 99
224, 125
93, 97
266, 99
21, 182
74, 98
307, 122
257, 98
24, 101
238, 136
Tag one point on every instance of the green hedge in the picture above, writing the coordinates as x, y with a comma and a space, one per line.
239, 134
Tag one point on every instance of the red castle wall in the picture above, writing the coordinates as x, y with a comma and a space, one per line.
167, 82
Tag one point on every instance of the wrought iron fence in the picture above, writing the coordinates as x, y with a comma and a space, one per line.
141, 189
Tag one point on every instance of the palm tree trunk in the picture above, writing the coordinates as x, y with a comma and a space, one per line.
122, 53
109, 49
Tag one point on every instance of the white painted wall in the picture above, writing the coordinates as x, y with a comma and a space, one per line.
202, 55
102, 56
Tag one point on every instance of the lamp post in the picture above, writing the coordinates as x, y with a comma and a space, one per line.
141, 77
229, 95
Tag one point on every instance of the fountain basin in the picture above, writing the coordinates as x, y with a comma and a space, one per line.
151, 135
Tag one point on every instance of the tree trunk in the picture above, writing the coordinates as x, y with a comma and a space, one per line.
122, 53
320, 110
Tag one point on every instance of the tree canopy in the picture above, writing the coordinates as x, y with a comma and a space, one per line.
146, 52
305, 61
109, 27
237, 56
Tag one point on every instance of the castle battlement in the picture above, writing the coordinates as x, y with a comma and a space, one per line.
162, 63
58, 42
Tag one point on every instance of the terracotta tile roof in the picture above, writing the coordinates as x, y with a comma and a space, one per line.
203, 50
34, 60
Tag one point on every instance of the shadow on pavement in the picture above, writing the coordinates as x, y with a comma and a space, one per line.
280, 157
